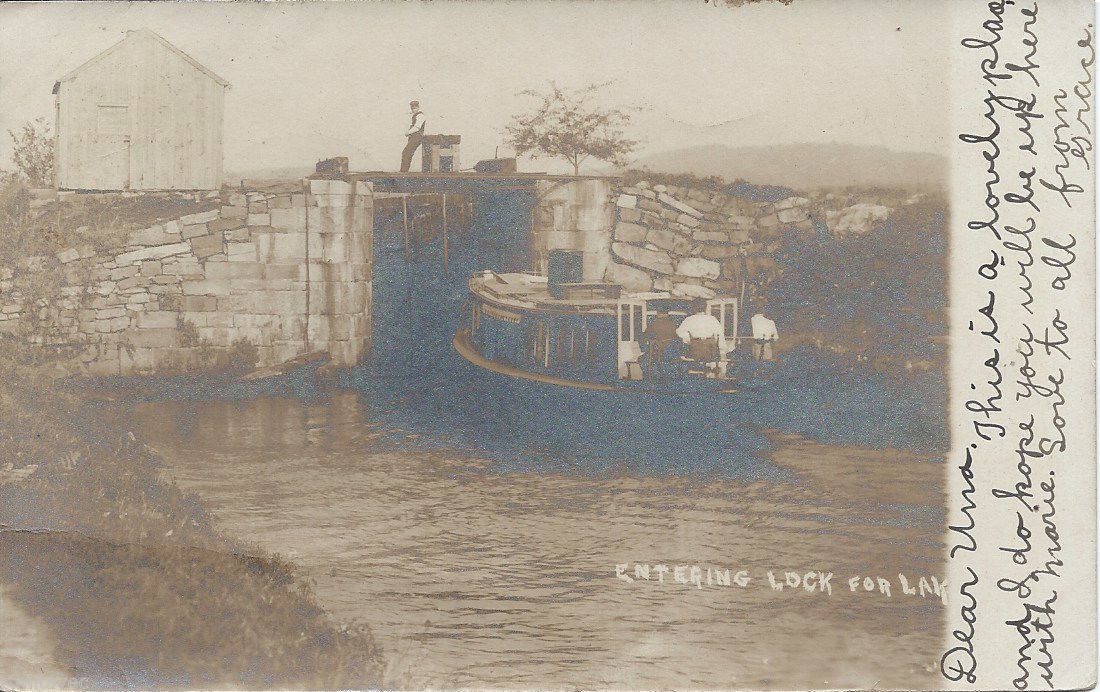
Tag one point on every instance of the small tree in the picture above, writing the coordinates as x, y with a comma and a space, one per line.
567, 125
32, 152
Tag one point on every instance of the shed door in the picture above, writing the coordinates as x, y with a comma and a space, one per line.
111, 147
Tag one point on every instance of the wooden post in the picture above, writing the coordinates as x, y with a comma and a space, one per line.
444, 205
415, 237
405, 221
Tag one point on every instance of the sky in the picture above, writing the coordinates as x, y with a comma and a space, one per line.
313, 80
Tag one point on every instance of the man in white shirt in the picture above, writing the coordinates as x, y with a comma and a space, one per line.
415, 133
763, 334
703, 335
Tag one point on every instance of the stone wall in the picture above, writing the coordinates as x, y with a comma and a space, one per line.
686, 241
270, 275
574, 214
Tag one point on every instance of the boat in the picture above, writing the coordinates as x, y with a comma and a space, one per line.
590, 335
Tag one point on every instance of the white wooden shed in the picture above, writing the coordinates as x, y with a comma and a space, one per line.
141, 115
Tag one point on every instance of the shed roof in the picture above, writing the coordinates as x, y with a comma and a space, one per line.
139, 34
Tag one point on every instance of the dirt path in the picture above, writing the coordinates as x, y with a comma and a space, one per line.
25, 651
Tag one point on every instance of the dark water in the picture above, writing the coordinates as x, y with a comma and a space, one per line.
415, 374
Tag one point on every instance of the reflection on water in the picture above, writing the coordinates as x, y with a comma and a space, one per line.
473, 574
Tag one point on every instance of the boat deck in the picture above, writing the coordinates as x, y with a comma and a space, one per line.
527, 292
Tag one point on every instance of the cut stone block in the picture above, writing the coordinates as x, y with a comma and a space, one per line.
692, 291
630, 233
698, 267
207, 245
156, 252
649, 259
201, 217
630, 278
679, 206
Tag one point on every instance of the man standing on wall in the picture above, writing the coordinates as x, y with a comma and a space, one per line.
415, 133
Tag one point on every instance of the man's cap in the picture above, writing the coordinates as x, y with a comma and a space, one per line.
414, 104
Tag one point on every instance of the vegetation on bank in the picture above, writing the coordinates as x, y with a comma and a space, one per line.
880, 296
710, 183
137, 588
135, 585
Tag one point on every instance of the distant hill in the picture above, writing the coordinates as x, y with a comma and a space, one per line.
274, 173
806, 166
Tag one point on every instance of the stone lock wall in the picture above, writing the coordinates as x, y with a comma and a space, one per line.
686, 241
276, 273
574, 215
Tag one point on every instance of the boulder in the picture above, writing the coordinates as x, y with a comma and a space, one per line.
794, 215
629, 215
857, 219
627, 201
649, 259
630, 278
698, 267
791, 203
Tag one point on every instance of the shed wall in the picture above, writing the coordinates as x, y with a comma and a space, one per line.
142, 118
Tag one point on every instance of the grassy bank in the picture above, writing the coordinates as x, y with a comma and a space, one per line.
137, 588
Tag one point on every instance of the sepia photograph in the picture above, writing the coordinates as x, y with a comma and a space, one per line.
549, 345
